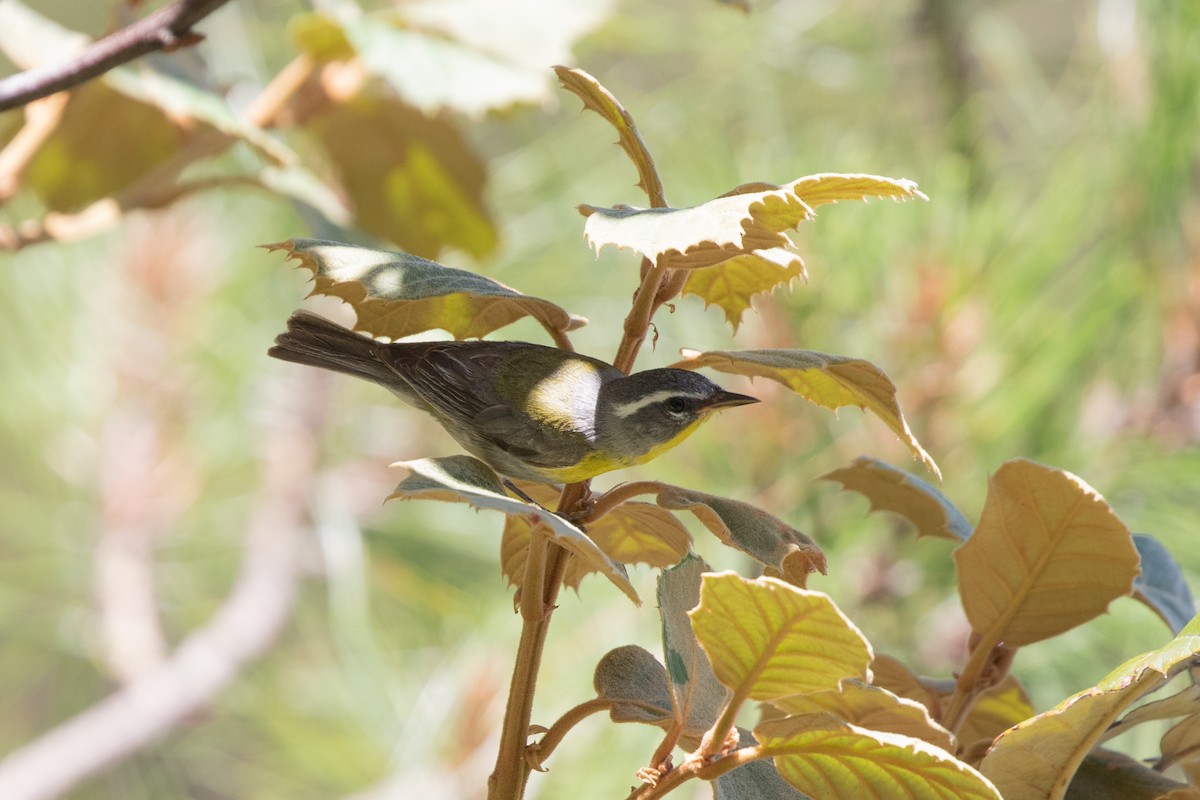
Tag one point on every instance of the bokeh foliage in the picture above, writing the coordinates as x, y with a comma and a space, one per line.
1044, 304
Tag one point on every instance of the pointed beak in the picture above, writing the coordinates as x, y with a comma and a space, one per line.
724, 399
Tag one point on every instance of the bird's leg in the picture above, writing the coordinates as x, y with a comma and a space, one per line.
583, 509
512, 487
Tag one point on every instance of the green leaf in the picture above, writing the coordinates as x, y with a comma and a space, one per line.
698, 696
1048, 554
891, 489
397, 294
767, 639
463, 479
732, 284
1036, 759
870, 707
637, 684
784, 550
825, 757
822, 379
1161, 584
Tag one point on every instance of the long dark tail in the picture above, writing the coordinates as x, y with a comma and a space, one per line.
317, 342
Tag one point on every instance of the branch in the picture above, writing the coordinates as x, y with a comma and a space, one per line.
167, 28
210, 658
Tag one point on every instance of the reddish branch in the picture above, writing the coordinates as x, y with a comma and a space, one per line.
165, 29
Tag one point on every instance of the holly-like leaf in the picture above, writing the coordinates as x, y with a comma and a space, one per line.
784, 550
697, 695
1161, 584
870, 707
411, 178
397, 294
825, 757
750, 217
463, 479
1036, 759
825, 380
891, 489
732, 284
636, 683
1048, 554
788, 640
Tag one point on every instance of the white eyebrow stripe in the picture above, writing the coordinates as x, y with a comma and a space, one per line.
623, 410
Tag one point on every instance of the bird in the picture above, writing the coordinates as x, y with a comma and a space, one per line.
528, 411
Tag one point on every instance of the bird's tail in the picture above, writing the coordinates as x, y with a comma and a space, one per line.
316, 342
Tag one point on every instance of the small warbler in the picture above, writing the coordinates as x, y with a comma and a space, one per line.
527, 411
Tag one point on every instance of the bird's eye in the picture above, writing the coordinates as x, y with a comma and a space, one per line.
676, 405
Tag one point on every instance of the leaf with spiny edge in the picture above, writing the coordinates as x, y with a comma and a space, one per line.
1048, 554
784, 551
398, 294
891, 489
826, 757
789, 640
1037, 759
463, 479
732, 284
825, 380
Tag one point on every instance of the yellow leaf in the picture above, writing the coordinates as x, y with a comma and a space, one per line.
397, 294
1037, 759
733, 283
767, 639
825, 757
871, 707
816, 190
998, 709
1048, 554
891, 489
824, 380
766, 538
1180, 704
462, 479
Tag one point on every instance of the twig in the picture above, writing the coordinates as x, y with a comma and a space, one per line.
167, 28
210, 658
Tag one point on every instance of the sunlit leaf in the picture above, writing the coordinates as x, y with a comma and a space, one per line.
1161, 584
891, 674
891, 489
995, 711
788, 640
698, 695
319, 36
732, 284
870, 707
772, 542
1036, 759
1184, 702
1107, 775
1048, 554
637, 684
825, 757
397, 294
462, 479
411, 179
825, 380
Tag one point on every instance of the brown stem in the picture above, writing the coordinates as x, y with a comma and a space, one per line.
553, 737
638, 321
619, 494
167, 28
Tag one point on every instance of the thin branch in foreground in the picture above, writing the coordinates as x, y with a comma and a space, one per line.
209, 659
168, 28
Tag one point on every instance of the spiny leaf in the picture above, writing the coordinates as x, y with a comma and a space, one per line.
822, 379
463, 479
1048, 554
397, 294
891, 489
596, 98
698, 696
825, 757
1161, 584
637, 684
781, 548
1036, 759
788, 640
870, 707
732, 284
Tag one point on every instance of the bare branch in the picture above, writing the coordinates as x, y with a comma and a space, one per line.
165, 29
210, 658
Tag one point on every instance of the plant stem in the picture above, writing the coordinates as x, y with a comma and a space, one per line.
618, 495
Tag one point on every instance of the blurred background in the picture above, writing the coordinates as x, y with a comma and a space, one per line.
1045, 304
